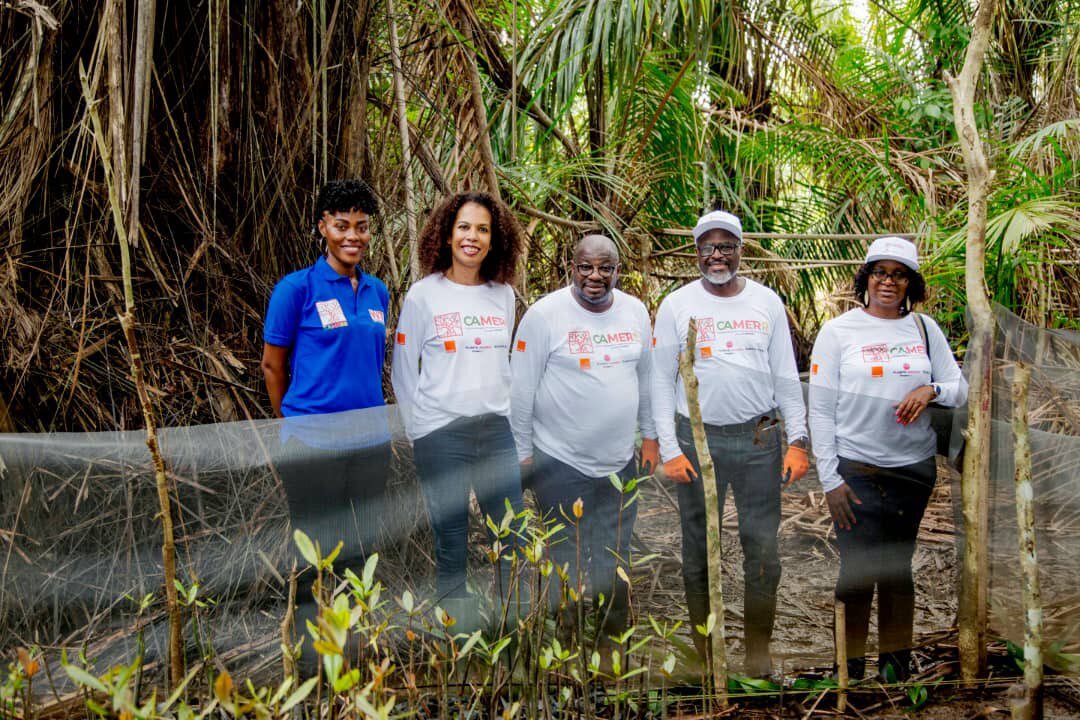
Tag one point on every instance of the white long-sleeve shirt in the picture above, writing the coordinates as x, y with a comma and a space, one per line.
580, 388
745, 363
861, 368
451, 353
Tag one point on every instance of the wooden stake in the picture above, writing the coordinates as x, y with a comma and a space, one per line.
841, 655
712, 516
1030, 707
979, 359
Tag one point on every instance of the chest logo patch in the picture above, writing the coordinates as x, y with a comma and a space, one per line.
330, 314
878, 353
706, 329
448, 325
579, 342
377, 316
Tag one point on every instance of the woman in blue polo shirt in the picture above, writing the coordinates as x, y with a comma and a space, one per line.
323, 353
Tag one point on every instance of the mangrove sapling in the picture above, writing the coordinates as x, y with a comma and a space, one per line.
129, 324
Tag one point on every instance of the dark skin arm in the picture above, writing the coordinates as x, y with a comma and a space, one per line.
275, 367
911, 407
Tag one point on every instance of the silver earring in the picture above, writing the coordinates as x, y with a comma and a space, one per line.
866, 298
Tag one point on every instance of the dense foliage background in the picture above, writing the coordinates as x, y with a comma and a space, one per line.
815, 120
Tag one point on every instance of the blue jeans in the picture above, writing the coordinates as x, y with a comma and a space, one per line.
877, 550
475, 453
747, 457
606, 529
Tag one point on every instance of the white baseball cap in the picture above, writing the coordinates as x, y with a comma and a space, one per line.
718, 220
894, 248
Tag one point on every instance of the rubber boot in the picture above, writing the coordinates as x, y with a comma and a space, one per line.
698, 607
757, 632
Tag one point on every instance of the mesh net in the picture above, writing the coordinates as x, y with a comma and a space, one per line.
80, 537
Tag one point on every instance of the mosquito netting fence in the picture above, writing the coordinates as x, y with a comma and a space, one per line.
81, 539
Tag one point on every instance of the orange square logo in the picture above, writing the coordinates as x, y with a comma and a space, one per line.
450, 346
401, 338
654, 342
877, 371
521, 346
706, 351
813, 369
584, 363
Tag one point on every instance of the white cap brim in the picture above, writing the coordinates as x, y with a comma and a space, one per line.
717, 224
905, 261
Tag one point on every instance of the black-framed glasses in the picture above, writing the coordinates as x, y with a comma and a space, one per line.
726, 249
586, 269
898, 276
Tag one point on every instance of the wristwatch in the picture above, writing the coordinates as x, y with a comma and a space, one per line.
936, 388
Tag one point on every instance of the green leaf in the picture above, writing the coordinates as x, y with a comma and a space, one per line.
369, 570
85, 679
306, 548
298, 697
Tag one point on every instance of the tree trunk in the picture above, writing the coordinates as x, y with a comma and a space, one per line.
1030, 707
357, 148
979, 358
712, 517
406, 155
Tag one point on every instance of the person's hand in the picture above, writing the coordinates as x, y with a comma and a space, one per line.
840, 506
911, 407
526, 463
650, 455
679, 470
796, 464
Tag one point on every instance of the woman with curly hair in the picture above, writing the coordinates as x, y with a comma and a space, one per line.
451, 377
873, 372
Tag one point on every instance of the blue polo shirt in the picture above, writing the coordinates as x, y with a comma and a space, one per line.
336, 337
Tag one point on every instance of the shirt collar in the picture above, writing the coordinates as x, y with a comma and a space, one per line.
326, 273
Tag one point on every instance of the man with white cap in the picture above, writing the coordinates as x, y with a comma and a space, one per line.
745, 365
579, 396
873, 372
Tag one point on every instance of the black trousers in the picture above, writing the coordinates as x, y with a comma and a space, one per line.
746, 457
335, 496
877, 552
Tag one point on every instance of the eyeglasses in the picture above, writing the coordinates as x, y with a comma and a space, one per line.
707, 249
900, 276
605, 271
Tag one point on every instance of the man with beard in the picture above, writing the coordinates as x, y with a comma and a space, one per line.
746, 370
579, 394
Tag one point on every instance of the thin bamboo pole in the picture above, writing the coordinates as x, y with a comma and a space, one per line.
1030, 707
979, 358
406, 151
712, 517
840, 630
128, 324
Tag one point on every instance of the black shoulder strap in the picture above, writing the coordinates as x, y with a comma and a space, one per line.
921, 324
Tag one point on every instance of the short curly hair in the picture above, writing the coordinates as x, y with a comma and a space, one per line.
507, 242
343, 196
916, 289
